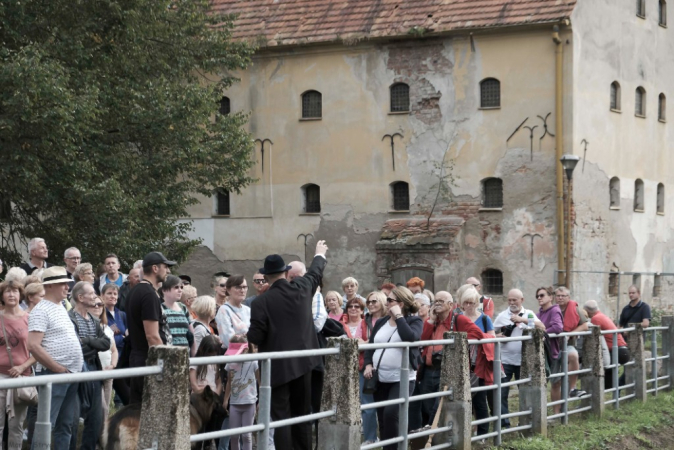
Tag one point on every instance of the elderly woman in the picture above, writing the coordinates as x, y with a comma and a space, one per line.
376, 306
333, 303
350, 288
187, 298
204, 308
33, 294
400, 326
424, 305
16, 361
15, 274
84, 272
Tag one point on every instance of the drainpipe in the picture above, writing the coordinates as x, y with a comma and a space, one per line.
559, 149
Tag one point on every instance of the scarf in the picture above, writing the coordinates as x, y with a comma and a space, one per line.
571, 317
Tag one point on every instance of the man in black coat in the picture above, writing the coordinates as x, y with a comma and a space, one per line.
281, 320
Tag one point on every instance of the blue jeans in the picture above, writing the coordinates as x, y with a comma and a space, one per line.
369, 416
430, 383
63, 409
509, 370
223, 444
93, 417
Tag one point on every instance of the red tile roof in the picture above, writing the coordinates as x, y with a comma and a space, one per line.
288, 22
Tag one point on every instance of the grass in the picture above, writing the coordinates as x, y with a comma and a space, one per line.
643, 423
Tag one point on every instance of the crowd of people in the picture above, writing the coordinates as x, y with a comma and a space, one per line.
69, 319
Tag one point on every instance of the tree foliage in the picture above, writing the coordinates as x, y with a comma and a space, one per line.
107, 122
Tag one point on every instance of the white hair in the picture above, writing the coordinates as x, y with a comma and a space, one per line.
33, 243
68, 250
138, 265
15, 274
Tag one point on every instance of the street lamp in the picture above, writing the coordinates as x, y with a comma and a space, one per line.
569, 163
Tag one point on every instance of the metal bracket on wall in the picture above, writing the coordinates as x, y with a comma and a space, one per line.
531, 140
262, 141
393, 156
584, 141
545, 129
305, 236
533, 236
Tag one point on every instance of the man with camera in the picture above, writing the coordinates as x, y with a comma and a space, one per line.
511, 323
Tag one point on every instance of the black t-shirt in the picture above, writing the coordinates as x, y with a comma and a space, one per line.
635, 314
143, 304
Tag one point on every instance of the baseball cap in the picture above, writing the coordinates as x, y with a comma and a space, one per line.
154, 258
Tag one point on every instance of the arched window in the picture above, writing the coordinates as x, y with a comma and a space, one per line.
662, 13
614, 192
641, 8
615, 96
662, 108
400, 196
311, 194
661, 198
640, 102
224, 106
222, 202
490, 93
492, 281
400, 97
312, 105
639, 195
492, 193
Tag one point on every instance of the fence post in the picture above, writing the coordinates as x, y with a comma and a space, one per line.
165, 414
457, 409
534, 395
340, 392
668, 348
636, 373
593, 382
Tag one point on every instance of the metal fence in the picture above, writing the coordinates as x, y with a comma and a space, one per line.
451, 429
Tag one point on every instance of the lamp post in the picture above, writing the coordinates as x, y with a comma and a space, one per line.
569, 163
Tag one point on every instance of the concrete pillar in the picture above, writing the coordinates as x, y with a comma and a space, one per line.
534, 395
636, 373
165, 415
668, 349
593, 382
457, 409
340, 391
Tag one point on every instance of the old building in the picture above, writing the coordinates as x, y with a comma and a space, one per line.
423, 137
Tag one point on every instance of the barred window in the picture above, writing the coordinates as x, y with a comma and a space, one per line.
613, 284
492, 281
224, 106
222, 202
312, 198
662, 108
490, 93
614, 192
661, 198
662, 13
312, 105
492, 193
400, 97
615, 96
641, 8
640, 102
639, 195
401, 196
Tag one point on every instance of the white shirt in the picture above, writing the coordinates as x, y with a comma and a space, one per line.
389, 368
511, 352
106, 356
232, 320
60, 340
318, 311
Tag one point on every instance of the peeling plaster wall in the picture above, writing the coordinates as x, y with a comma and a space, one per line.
345, 154
612, 44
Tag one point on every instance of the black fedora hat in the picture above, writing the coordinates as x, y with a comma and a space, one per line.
274, 264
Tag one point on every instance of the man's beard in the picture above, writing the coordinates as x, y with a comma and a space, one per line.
515, 308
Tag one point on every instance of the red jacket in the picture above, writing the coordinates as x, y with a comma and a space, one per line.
364, 336
484, 367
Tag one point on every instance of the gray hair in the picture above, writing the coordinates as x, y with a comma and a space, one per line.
423, 298
15, 274
33, 243
563, 290
591, 306
349, 280
68, 250
78, 290
429, 294
81, 268
138, 265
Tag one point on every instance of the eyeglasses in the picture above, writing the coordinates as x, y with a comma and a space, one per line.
476, 285
561, 295
222, 285
391, 300
440, 302
75, 258
353, 307
260, 281
371, 302
540, 296
469, 303
240, 288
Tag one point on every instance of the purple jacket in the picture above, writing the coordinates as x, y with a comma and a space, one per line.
554, 323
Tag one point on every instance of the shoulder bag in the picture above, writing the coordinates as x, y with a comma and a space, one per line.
372, 384
26, 395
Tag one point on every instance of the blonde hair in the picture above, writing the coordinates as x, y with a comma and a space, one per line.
405, 296
340, 302
33, 288
461, 290
470, 294
188, 291
349, 280
381, 299
204, 306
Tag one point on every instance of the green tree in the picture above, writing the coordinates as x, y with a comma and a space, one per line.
107, 122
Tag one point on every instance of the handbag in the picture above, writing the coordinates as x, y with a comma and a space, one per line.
27, 395
371, 384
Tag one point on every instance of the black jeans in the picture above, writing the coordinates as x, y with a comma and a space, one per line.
292, 399
623, 358
510, 371
430, 383
136, 383
480, 408
388, 415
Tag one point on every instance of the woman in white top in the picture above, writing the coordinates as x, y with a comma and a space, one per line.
233, 317
108, 358
399, 326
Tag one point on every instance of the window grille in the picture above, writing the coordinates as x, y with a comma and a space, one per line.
223, 202
614, 192
640, 100
400, 97
613, 285
224, 106
312, 194
615, 96
492, 193
401, 196
492, 281
312, 107
490, 93
662, 13
661, 198
662, 107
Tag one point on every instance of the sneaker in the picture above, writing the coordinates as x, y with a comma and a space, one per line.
577, 393
371, 442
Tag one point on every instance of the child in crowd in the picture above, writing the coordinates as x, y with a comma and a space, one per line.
241, 391
202, 376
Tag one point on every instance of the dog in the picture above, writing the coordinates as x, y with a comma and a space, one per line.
122, 429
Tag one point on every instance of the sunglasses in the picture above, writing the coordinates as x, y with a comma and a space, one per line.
391, 300
97, 305
353, 307
372, 302
540, 296
262, 281
222, 285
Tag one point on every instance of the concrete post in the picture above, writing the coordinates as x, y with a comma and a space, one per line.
340, 391
457, 409
668, 349
534, 395
593, 382
165, 414
636, 373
